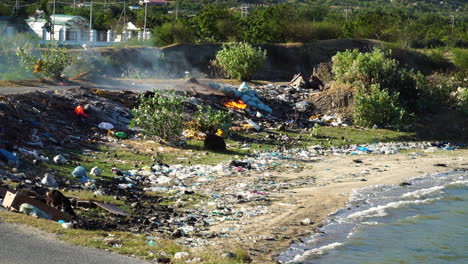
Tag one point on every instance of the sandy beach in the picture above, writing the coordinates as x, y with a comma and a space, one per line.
266, 235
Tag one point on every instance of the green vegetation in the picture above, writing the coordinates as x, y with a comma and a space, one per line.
378, 107
388, 95
408, 23
240, 60
169, 33
49, 65
10, 65
160, 116
208, 120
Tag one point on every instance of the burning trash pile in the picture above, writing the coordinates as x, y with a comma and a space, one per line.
274, 106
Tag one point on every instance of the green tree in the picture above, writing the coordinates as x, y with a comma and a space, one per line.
215, 22
50, 64
170, 33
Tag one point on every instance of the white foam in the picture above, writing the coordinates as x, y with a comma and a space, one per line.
423, 192
315, 251
381, 210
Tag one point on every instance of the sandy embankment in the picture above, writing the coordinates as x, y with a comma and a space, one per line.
336, 176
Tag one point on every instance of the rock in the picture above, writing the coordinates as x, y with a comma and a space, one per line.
214, 142
181, 255
228, 255
306, 221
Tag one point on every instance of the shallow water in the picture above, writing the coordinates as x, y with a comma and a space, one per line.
425, 222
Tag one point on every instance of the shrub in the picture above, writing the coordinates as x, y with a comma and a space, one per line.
160, 116
209, 120
463, 97
316, 130
364, 69
240, 60
460, 58
378, 107
54, 60
441, 90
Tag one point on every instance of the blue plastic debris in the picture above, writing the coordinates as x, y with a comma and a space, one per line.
10, 158
80, 172
364, 149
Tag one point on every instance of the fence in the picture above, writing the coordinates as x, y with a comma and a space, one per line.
91, 38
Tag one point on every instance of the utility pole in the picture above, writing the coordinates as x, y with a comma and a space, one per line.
146, 11
53, 22
91, 19
124, 14
453, 30
177, 10
16, 8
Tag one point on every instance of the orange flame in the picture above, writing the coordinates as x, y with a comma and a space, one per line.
235, 104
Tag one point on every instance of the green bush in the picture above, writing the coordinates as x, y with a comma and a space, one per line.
441, 90
170, 33
240, 60
209, 120
160, 116
364, 69
378, 107
463, 95
376, 67
460, 58
54, 58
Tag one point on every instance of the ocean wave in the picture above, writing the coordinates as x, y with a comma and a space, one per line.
381, 210
314, 252
423, 192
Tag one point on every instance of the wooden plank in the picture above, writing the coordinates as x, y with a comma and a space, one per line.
111, 208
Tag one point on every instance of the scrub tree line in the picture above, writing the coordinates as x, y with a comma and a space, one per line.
417, 24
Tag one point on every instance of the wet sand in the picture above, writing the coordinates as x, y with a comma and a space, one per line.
266, 235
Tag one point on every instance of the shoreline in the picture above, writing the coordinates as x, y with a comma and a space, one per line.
267, 235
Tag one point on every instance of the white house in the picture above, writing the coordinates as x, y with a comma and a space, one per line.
73, 27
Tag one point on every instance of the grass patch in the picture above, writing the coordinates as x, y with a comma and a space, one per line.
123, 242
126, 158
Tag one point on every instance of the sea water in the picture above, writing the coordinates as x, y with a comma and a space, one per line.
423, 220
